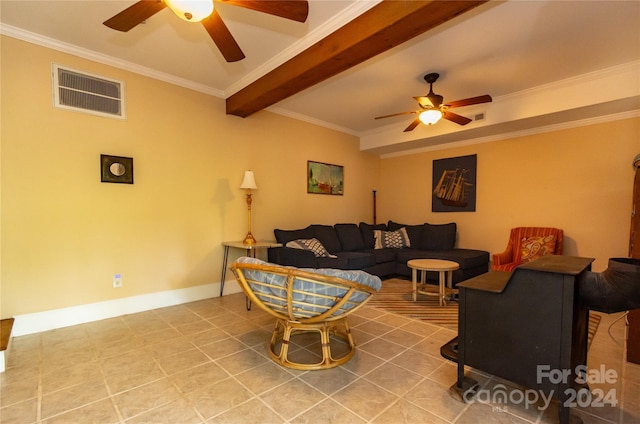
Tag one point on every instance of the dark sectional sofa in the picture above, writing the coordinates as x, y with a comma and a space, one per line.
353, 247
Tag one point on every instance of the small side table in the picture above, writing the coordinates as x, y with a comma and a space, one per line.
250, 251
441, 266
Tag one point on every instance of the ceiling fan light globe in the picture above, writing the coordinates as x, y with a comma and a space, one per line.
430, 116
191, 10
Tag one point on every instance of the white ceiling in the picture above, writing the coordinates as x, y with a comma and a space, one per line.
544, 62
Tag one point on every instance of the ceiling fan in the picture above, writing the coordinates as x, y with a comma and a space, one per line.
432, 109
205, 12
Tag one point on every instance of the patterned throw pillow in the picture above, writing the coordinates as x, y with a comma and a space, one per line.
392, 239
312, 244
534, 247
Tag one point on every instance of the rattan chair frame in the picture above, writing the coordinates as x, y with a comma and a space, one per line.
294, 316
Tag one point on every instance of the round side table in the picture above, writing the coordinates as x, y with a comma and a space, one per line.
423, 265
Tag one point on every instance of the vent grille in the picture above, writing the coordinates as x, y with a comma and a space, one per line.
87, 93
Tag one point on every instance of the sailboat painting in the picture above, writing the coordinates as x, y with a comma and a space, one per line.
454, 184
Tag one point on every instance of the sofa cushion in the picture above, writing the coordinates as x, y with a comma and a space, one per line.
327, 236
536, 246
285, 236
466, 258
397, 239
382, 255
367, 233
415, 232
357, 260
350, 237
439, 236
311, 244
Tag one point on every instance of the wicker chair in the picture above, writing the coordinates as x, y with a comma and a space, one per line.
306, 301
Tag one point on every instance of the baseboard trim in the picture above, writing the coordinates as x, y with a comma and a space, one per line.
74, 315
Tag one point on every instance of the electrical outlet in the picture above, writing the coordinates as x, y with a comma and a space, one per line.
117, 281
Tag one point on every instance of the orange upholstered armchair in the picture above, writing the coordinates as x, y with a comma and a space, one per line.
526, 244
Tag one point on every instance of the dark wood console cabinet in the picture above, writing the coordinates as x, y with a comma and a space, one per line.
510, 323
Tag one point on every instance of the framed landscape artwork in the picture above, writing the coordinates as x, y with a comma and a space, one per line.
324, 178
454, 184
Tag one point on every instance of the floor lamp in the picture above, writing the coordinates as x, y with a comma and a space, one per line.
249, 183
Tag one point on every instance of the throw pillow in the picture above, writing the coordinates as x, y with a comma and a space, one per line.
391, 239
534, 247
313, 245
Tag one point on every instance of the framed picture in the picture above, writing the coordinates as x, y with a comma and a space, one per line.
454, 184
324, 178
116, 169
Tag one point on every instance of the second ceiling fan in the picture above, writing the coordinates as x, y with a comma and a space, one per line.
432, 109
205, 12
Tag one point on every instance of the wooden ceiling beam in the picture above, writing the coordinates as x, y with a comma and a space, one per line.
384, 26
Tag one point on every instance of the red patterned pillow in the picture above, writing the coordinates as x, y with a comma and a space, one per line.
534, 247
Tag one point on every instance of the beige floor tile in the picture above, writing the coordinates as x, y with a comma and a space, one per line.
403, 412
480, 413
222, 348
382, 348
182, 361
219, 397
70, 376
208, 361
253, 411
403, 338
194, 327
206, 337
418, 362
292, 398
365, 398
198, 377
145, 398
19, 390
25, 412
241, 361
436, 399
393, 378
328, 411
101, 412
256, 337
375, 327
330, 380
265, 377
73, 397
362, 362
170, 347
178, 411
155, 337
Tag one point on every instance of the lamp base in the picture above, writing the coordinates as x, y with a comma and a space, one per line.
249, 239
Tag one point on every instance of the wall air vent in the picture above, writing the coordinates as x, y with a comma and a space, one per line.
82, 92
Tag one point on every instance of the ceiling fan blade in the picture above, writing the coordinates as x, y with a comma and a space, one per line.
470, 101
296, 10
221, 35
395, 114
454, 117
424, 102
412, 125
133, 15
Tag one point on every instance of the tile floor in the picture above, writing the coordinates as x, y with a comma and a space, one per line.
206, 362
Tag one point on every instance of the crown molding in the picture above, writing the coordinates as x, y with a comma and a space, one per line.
40, 40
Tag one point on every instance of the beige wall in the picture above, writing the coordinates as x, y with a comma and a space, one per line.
65, 234
576, 179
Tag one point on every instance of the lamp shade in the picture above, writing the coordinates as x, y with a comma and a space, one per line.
430, 116
191, 10
249, 181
